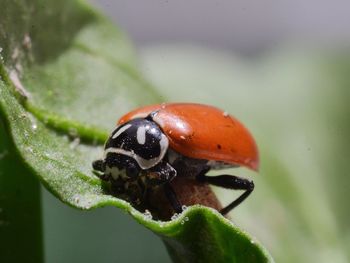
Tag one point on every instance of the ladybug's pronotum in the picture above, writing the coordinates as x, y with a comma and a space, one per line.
154, 144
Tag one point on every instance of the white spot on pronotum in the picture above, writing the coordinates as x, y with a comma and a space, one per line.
121, 130
141, 135
18, 85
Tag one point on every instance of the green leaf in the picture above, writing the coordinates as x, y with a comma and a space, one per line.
66, 75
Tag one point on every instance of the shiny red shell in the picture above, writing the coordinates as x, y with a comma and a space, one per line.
202, 132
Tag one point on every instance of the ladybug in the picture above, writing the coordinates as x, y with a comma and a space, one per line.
154, 144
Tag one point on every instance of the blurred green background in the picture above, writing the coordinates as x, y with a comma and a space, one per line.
295, 100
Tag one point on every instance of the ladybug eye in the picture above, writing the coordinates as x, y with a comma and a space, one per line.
132, 171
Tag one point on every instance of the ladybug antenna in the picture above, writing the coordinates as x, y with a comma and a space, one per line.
151, 115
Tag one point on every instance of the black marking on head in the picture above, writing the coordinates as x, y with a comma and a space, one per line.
218, 146
141, 139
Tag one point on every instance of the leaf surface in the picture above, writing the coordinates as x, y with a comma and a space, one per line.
66, 76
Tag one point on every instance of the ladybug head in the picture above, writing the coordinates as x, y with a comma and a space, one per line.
133, 147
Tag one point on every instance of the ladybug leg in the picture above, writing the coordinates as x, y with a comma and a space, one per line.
229, 182
171, 195
162, 174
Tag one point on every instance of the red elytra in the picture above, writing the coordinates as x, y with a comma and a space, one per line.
202, 132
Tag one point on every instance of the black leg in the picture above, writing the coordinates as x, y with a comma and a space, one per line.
160, 174
171, 195
230, 182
